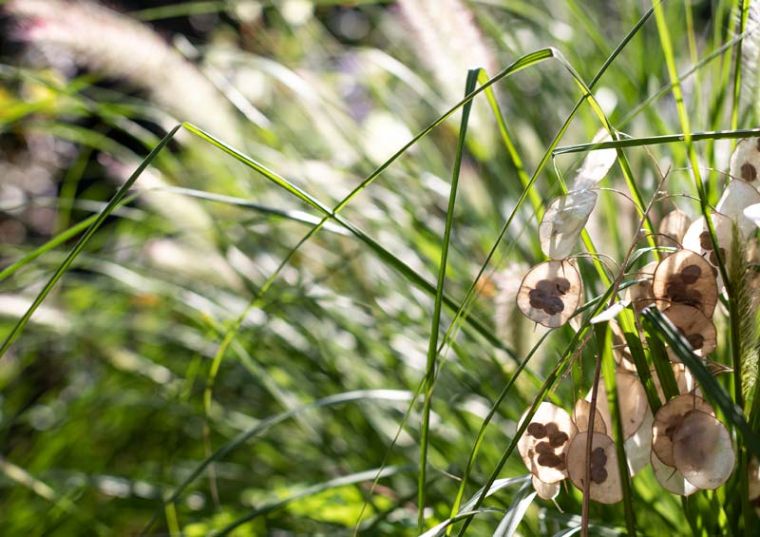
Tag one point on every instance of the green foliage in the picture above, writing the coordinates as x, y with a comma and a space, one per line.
291, 312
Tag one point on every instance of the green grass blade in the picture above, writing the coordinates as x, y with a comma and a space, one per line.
272, 505
116, 200
432, 352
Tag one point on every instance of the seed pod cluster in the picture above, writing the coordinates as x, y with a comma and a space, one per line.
551, 292
687, 446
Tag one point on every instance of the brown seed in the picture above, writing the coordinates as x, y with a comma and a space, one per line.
690, 274
558, 439
537, 430
598, 474
598, 457
544, 448
551, 429
748, 172
549, 459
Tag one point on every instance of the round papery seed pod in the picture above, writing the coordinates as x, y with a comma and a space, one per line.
685, 278
672, 228
745, 161
544, 443
604, 473
546, 491
550, 293
697, 239
702, 450
670, 478
737, 196
631, 398
639, 446
620, 350
581, 415
563, 222
698, 330
669, 418
640, 294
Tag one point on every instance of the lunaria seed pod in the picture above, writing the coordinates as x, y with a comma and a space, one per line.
669, 418
672, 228
698, 330
702, 450
745, 161
620, 350
640, 294
581, 415
737, 196
639, 446
604, 472
697, 239
550, 293
670, 478
546, 491
563, 222
544, 443
685, 278
631, 398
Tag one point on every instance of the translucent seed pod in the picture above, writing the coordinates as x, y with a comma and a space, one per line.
672, 228
745, 161
737, 196
582, 414
640, 294
543, 446
698, 330
670, 478
685, 278
702, 450
604, 473
563, 222
668, 419
550, 293
697, 239
546, 491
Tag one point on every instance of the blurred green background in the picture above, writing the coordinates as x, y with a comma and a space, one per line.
167, 341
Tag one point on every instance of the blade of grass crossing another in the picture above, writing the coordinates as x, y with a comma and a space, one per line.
432, 351
116, 200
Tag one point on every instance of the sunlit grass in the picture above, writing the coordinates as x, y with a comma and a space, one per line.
296, 330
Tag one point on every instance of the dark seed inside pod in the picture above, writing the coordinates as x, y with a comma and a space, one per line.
547, 295
696, 341
551, 429
556, 440
537, 430
678, 291
598, 474
704, 241
598, 457
544, 447
550, 459
690, 274
748, 171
